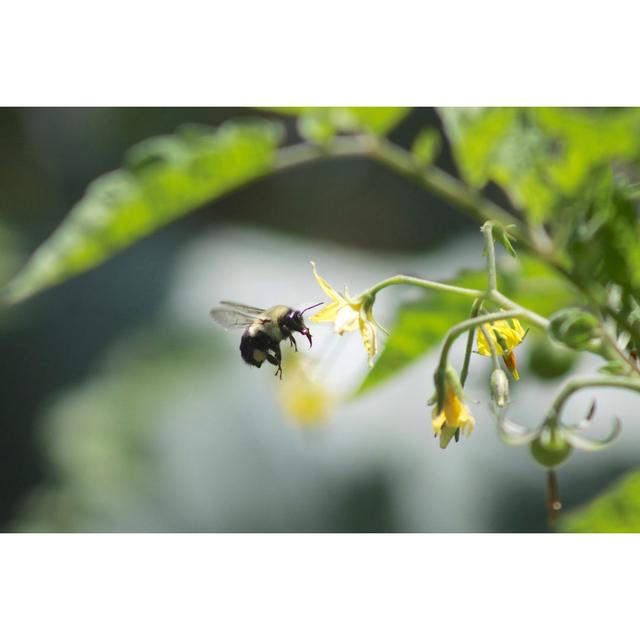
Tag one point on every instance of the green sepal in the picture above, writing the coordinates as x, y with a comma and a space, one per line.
446, 435
586, 444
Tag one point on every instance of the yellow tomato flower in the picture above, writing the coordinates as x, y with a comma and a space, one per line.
455, 414
305, 401
505, 335
348, 315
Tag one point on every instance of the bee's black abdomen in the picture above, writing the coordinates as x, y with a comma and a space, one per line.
247, 350
255, 349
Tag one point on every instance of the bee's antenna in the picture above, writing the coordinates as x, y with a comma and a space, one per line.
313, 306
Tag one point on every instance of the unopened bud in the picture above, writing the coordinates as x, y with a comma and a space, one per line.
500, 388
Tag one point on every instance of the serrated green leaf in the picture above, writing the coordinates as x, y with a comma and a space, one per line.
586, 139
503, 145
377, 120
616, 511
602, 237
475, 135
421, 325
163, 178
540, 157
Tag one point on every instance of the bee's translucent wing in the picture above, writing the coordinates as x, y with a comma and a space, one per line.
230, 318
243, 308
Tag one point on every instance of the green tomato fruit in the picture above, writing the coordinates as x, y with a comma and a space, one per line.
550, 452
548, 360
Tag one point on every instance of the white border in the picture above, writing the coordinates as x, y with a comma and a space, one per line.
251, 53
318, 586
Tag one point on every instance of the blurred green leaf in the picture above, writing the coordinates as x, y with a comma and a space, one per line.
586, 139
426, 146
316, 127
602, 237
540, 157
421, 325
502, 145
377, 120
163, 178
616, 511
476, 135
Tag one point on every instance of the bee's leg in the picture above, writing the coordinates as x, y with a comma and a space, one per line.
276, 358
286, 332
278, 354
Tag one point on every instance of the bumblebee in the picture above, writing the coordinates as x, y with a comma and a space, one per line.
264, 329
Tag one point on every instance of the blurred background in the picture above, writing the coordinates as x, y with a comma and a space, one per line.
124, 408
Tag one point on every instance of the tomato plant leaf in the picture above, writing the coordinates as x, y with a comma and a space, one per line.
162, 179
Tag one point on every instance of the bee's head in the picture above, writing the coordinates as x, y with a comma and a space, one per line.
295, 322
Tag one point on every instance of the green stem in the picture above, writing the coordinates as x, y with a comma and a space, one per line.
582, 382
442, 184
513, 309
487, 232
450, 189
464, 372
423, 284
344, 146
532, 317
401, 161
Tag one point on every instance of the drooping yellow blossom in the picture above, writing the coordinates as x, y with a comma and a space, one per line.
305, 401
348, 315
506, 335
455, 414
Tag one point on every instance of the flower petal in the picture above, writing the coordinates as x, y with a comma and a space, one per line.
511, 332
347, 319
437, 420
327, 314
453, 408
518, 328
369, 338
483, 345
326, 287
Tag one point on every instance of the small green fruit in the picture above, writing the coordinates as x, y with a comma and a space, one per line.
550, 450
550, 360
